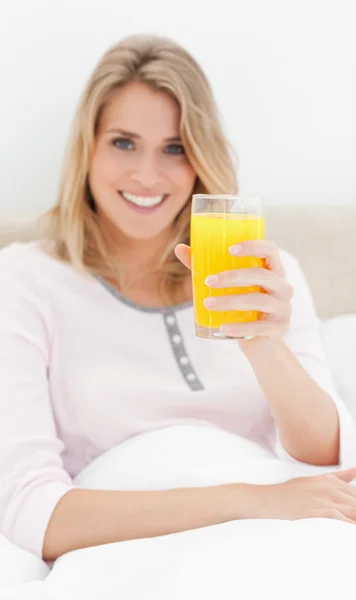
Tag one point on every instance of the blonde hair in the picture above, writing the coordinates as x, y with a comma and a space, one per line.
72, 227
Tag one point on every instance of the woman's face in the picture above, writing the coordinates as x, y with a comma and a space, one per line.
140, 177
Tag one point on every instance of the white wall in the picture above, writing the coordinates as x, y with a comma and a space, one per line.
281, 71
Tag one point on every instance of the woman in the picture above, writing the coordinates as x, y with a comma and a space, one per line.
97, 340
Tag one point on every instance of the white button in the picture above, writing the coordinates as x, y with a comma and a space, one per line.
176, 339
184, 360
190, 376
170, 320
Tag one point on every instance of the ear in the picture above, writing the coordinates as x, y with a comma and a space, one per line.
182, 252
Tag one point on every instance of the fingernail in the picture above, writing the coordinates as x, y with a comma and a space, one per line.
212, 280
209, 302
235, 249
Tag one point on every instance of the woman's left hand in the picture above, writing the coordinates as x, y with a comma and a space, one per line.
275, 305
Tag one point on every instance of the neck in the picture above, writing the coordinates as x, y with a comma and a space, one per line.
140, 259
139, 274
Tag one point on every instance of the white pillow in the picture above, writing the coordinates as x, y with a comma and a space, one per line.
339, 339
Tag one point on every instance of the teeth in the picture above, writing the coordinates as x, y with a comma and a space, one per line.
142, 201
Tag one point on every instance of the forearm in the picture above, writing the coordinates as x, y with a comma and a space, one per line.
305, 415
86, 518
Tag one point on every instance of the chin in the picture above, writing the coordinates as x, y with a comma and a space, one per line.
136, 233
141, 235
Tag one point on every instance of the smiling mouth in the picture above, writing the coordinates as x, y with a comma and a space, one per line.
143, 201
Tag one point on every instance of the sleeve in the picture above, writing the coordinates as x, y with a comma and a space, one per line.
32, 477
304, 339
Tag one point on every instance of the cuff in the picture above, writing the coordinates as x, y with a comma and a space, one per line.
26, 526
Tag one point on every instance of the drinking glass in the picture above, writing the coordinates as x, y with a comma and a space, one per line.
219, 221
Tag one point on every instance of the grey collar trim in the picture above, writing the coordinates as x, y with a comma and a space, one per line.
146, 309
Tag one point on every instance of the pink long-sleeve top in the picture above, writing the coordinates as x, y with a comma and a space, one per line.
82, 369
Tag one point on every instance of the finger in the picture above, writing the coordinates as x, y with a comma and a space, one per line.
346, 475
344, 497
255, 301
262, 249
253, 329
344, 487
182, 252
342, 518
268, 280
339, 515
348, 511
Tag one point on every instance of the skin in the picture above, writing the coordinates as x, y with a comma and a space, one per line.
152, 162
305, 416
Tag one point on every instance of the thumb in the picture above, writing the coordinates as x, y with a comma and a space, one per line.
182, 252
346, 475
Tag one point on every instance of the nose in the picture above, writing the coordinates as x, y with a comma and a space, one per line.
146, 171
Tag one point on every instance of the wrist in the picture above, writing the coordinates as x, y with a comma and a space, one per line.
243, 500
262, 349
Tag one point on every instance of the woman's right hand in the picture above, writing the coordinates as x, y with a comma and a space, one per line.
327, 496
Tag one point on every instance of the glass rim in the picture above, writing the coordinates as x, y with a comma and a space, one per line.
227, 197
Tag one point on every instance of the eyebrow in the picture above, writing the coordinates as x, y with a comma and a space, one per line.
138, 137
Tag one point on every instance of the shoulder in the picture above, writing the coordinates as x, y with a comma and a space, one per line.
32, 282
297, 278
31, 260
289, 261
20, 274
18, 252
15, 258
292, 267
23, 260
30, 273
27, 269
303, 299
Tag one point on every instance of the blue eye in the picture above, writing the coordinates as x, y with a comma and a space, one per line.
122, 144
175, 149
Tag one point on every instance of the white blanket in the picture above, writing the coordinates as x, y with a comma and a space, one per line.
247, 559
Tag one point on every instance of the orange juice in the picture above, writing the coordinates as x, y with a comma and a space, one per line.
211, 236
